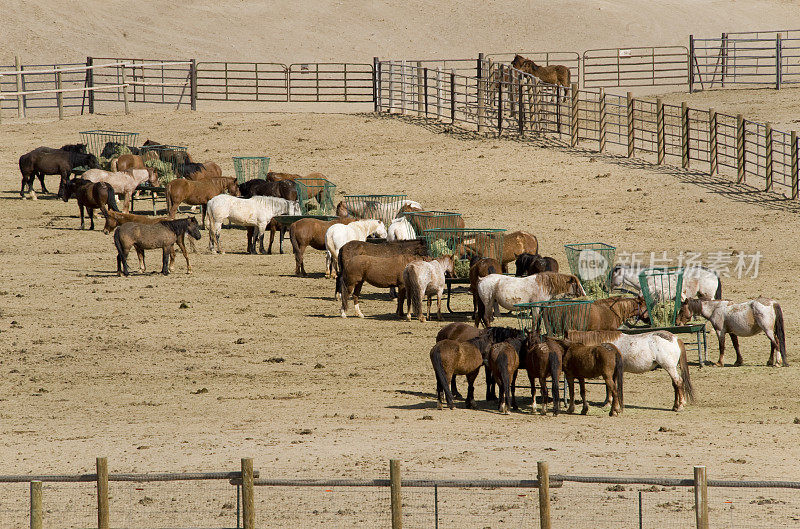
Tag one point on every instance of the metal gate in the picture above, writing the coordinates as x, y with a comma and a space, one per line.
152, 80
242, 81
331, 82
644, 66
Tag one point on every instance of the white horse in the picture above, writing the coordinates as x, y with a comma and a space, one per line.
697, 281
400, 230
373, 209
507, 291
340, 234
257, 211
426, 278
644, 352
123, 182
741, 319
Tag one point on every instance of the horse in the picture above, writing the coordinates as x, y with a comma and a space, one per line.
515, 244
425, 220
282, 189
112, 147
200, 171
740, 319
372, 209
311, 232
400, 230
593, 361
508, 291
125, 162
164, 234
256, 211
450, 358
609, 313
124, 183
423, 278
379, 271
460, 332
555, 74
697, 281
90, 195
379, 249
46, 161
272, 176
642, 353
75, 147
175, 157
532, 263
340, 234
503, 362
198, 193
542, 359
495, 335
480, 267
114, 219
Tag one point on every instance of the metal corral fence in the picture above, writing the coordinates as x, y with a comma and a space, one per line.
640, 66
507, 101
244, 499
159, 81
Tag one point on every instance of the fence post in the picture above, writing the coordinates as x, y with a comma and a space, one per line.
18, 79
376, 79
684, 135
740, 146
193, 84
1, 98
391, 86
102, 493
36, 505
778, 60
520, 107
794, 165
701, 497
125, 89
420, 97
438, 93
403, 87
724, 59
631, 131
544, 495
480, 90
661, 146
500, 103
601, 118
59, 96
691, 63
713, 167
768, 156
452, 96
396, 495
425, 89
573, 141
248, 503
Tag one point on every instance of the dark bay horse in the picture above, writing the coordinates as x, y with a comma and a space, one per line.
543, 358
593, 361
450, 358
164, 235
532, 263
46, 161
90, 195
480, 267
503, 361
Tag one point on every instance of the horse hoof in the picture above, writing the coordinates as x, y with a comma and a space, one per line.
344, 315
613, 413
360, 315
584, 411
719, 364
439, 405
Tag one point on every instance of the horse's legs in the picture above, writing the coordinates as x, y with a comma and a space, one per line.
471, 388
608, 399
41, 181
80, 208
251, 246
532, 379
454, 389
140, 255
261, 233
401, 297
345, 293
439, 294
490, 385
217, 231
90, 211
165, 259
124, 258
721, 337
271, 239
182, 246
356, 294
677, 385
571, 385
611, 384
774, 348
582, 384
514, 391
735, 342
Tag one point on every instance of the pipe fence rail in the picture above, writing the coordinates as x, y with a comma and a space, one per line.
637, 66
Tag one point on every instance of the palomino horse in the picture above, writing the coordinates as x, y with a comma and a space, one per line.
91, 195
645, 352
532, 263
450, 358
164, 234
479, 268
740, 319
609, 313
340, 234
124, 183
503, 362
257, 211
555, 74
423, 278
585, 361
382, 272
508, 291
197, 192
697, 281
114, 219
542, 359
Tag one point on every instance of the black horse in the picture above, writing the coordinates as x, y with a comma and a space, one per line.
533, 263
75, 147
258, 187
111, 148
164, 234
46, 161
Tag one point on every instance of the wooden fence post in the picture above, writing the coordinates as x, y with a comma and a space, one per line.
453, 96
794, 165
420, 96
576, 125
768, 156
544, 495
740, 147
500, 103
59, 96
18, 84
193, 84
701, 497
601, 121
684, 135
691, 64
36, 505
661, 146
376, 84
631, 130
102, 493
778, 60
480, 90
425, 89
713, 156
248, 501
125, 90
396, 494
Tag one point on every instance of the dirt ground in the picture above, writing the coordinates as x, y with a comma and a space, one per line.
260, 364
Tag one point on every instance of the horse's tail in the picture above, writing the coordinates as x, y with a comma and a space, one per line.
619, 369
502, 365
168, 198
555, 374
780, 334
111, 198
118, 244
686, 382
293, 239
412, 291
340, 274
441, 378
718, 293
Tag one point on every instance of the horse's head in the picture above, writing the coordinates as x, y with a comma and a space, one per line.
518, 61
65, 191
111, 221
380, 230
341, 210
575, 287
193, 228
233, 188
92, 162
152, 176
641, 310
689, 309
448, 263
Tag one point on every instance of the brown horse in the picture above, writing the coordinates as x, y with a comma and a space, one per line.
528, 264
555, 74
272, 176
127, 162
198, 193
609, 313
450, 358
515, 244
593, 361
460, 332
311, 232
114, 219
503, 362
542, 359
164, 235
414, 247
204, 171
91, 195
379, 271
481, 267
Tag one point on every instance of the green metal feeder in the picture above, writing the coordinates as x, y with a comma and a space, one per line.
592, 263
97, 141
662, 288
316, 196
554, 318
250, 167
384, 208
428, 220
463, 244
168, 160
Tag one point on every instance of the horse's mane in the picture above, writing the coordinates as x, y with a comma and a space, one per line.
178, 226
501, 334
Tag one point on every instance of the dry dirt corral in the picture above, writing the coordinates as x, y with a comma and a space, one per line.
96, 365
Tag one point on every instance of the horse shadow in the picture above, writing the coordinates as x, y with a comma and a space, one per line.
312, 275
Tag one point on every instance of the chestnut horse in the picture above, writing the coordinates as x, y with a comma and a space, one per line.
91, 195
593, 361
382, 272
198, 193
201, 171
380, 249
311, 232
555, 74
460, 332
542, 359
450, 358
609, 313
515, 244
